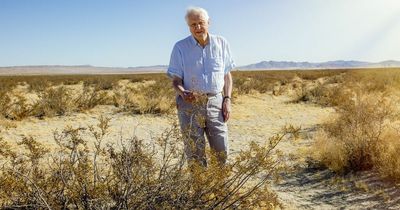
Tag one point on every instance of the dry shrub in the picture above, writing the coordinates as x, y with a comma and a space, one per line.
5, 103
7, 84
20, 108
14, 106
90, 97
100, 83
123, 99
69, 80
330, 153
387, 159
324, 91
53, 102
304, 93
357, 139
247, 85
155, 98
263, 81
38, 85
321, 94
134, 174
375, 80
55, 99
146, 98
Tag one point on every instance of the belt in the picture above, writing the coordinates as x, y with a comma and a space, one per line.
204, 97
212, 94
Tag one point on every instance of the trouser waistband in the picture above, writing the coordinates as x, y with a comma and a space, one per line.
213, 94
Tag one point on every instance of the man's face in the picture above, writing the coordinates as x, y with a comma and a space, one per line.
198, 26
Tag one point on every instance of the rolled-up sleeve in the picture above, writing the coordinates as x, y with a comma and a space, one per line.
229, 62
175, 67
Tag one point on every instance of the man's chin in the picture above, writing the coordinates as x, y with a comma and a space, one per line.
200, 35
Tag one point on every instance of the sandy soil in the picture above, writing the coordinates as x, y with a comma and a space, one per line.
254, 118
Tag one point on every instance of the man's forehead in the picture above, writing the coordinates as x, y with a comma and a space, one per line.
196, 17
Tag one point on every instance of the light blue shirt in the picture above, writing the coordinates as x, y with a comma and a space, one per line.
201, 69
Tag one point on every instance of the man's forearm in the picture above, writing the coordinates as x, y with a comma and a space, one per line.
228, 85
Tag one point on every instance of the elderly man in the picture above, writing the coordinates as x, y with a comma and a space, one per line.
200, 68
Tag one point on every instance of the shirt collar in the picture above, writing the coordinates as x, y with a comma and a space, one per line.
194, 41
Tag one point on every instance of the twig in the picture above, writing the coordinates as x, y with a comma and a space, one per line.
36, 187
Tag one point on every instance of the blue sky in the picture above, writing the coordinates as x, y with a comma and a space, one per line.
140, 33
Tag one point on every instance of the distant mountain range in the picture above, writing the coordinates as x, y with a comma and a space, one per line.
264, 65
339, 64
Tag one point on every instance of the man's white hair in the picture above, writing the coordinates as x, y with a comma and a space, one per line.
196, 11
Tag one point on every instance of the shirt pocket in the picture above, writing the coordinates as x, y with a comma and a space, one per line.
215, 65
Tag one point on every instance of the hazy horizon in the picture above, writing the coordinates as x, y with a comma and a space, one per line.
166, 65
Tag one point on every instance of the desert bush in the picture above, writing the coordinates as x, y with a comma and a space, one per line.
7, 83
123, 100
264, 81
156, 98
53, 102
153, 98
90, 97
357, 138
375, 80
247, 85
321, 94
38, 85
387, 160
305, 93
134, 174
19, 108
100, 83
5, 103
14, 106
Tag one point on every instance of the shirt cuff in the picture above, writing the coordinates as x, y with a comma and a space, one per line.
228, 69
172, 74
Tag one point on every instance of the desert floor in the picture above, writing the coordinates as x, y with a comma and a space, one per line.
255, 118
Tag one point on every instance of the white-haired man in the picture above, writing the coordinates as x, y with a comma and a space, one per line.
200, 68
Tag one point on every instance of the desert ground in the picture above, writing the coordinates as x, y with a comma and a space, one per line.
256, 116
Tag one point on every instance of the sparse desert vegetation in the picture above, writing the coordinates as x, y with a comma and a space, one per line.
133, 175
365, 131
91, 166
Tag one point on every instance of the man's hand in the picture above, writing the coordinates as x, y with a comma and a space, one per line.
188, 96
226, 108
